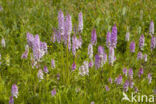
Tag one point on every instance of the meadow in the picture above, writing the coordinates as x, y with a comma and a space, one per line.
77, 51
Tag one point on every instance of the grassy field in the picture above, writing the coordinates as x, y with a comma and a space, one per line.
64, 83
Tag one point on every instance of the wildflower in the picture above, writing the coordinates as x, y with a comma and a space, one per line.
127, 36
145, 57
108, 40
83, 69
74, 44
136, 89
131, 84
36, 48
40, 74
53, 92
61, 22
1, 8
139, 56
86, 66
30, 39
105, 58
58, 36
132, 46
111, 56
68, 30
153, 43
69, 43
3, 42
92, 102
93, 37
46, 69
73, 66
11, 101
58, 76
80, 27
114, 36
27, 47
107, 88
52, 63
149, 78
91, 64
140, 72
33, 62
79, 42
39, 48
100, 50
114, 58
118, 80
14, 90
24, 55
141, 42
124, 71
110, 80
130, 73
97, 61
151, 28
90, 51
68, 24
126, 85
43, 49
101, 55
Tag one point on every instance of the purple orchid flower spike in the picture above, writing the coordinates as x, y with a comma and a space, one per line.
61, 23
111, 56
125, 71
107, 88
46, 69
93, 37
127, 36
108, 39
52, 63
73, 66
53, 92
114, 36
40, 75
153, 43
141, 42
3, 43
151, 28
97, 61
132, 47
11, 101
90, 51
130, 73
141, 71
80, 26
139, 56
118, 80
14, 90
126, 85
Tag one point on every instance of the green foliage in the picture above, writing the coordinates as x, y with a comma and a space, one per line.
40, 16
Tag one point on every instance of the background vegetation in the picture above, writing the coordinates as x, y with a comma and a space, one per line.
40, 17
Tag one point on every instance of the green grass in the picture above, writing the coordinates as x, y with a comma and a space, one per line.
40, 16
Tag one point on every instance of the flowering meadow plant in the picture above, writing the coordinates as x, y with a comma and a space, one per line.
77, 52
